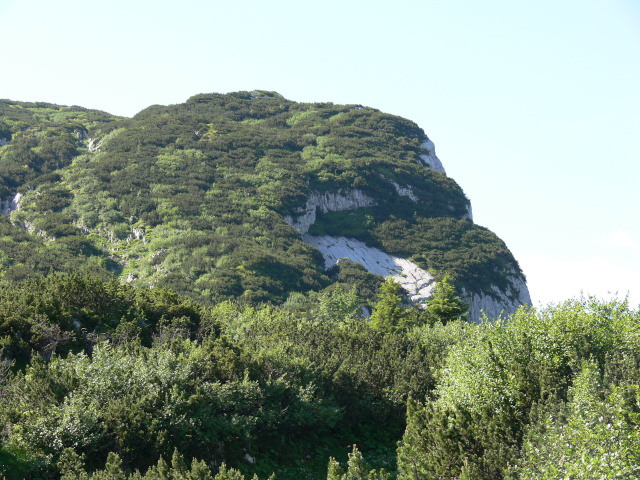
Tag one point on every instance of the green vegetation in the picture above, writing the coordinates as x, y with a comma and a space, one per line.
549, 394
445, 306
192, 197
159, 319
100, 379
389, 315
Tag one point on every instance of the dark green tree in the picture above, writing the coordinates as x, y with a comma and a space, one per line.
357, 469
388, 314
445, 304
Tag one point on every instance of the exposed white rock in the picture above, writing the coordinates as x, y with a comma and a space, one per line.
15, 202
81, 134
136, 235
430, 159
417, 282
81, 226
132, 277
3, 142
159, 252
405, 191
31, 228
506, 302
8, 205
469, 215
328, 202
92, 146
111, 236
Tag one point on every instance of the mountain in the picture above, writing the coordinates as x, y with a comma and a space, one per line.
245, 195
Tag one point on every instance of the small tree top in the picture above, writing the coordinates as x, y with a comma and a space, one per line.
445, 304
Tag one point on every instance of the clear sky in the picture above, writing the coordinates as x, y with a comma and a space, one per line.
534, 107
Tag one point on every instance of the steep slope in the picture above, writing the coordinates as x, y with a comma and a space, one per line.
223, 196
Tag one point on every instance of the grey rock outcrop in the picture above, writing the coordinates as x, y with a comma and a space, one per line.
81, 134
10, 204
418, 283
328, 202
405, 191
469, 215
429, 158
136, 234
503, 303
92, 146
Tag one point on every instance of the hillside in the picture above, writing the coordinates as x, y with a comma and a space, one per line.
175, 303
243, 195
112, 381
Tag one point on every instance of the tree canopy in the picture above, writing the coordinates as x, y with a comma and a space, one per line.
444, 305
105, 380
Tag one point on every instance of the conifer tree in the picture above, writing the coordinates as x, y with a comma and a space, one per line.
388, 314
445, 305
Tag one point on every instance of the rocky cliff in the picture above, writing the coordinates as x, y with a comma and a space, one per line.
10, 204
327, 202
499, 302
417, 282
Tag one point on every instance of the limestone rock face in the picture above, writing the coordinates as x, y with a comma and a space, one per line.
136, 234
469, 215
405, 191
429, 157
10, 204
328, 202
418, 283
92, 146
506, 302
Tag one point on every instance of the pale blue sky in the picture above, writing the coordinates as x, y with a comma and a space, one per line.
534, 107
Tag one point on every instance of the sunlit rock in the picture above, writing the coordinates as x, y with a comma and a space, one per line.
417, 282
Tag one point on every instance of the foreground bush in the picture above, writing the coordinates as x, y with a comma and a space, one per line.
515, 394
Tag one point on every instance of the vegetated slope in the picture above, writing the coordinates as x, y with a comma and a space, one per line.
200, 197
111, 368
120, 378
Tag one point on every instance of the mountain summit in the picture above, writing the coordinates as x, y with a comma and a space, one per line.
243, 195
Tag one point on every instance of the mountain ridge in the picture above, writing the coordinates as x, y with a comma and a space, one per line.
211, 197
